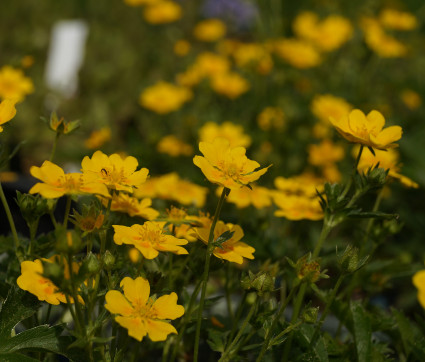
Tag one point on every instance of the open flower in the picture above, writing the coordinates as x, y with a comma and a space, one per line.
149, 239
140, 314
297, 207
13, 84
56, 183
233, 249
132, 206
367, 130
225, 166
113, 171
7, 111
257, 196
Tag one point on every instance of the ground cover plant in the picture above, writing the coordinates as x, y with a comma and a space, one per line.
222, 181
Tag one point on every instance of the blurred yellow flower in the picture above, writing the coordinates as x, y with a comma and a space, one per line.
56, 183
98, 138
181, 47
27, 61
162, 12
209, 30
243, 197
226, 166
328, 34
271, 118
325, 153
163, 98
232, 250
367, 130
229, 84
388, 160
132, 206
419, 282
234, 133
305, 184
411, 99
298, 53
13, 84
149, 239
325, 106
253, 55
7, 111
113, 171
397, 20
140, 314
174, 147
297, 207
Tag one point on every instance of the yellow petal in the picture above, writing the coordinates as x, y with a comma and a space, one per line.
47, 191
158, 331
136, 290
419, 280
386, 137
167, 308
135, 327
116, 303
7, 110
376, 122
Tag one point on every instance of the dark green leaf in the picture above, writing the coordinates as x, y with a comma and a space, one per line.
304, 335
215, 340
362, 332
358, 214
16, 357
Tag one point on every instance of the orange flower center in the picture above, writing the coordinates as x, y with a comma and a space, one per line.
143, 310
70, 183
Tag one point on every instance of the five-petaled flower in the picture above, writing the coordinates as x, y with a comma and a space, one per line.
149, 239
367, 130
140, 314
226, 166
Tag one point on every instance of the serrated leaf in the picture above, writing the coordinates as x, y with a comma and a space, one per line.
304, 335
216, 340
362, 332
18, 306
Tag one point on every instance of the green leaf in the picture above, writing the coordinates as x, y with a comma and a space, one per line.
216, 340
318, 352
16, 357
18, 306
358, 214
362, 332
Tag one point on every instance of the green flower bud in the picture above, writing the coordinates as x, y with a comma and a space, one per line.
108, 260
310, 315
262, 282
376, 177
32, 206
349, 260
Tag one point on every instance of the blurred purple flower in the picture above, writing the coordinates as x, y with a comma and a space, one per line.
240, 13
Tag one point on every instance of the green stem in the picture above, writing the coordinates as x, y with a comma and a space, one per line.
67, 210
49, 309
210, 248
228, 296
55, 142
12, 224
75, 296
238, 316
228, 350
274, 323
350, 181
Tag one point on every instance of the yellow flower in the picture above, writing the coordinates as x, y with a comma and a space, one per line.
13, 84
7, 111
209, 30
226, 166
162, 12
90, 220
253, 55
125, 203
149, 238
174, 147
296, 207
139, 313
234, 133
113, 171
397, 20
298, 53
259, 197
182, 223
367, 130
271, 117
301, 185
325, 153
56, 183
229, 84
388, 160
326, 105
411, 99
163, 98
98, 138
419, 283
233, 249
181, 47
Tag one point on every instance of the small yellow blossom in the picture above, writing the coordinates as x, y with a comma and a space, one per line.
229, 84
233, 249
7, 111
243, 197
325, 106
226, 166
182, 223
140, 314
149, 239
397, 20
162, 12
91, 220
174, 147
56, 183
98, 138
367, 130
134, 255
253, 55
295, 207
302, 185
271, 118
13, 84
232, 132
419, 283
209, 30
163, 98
411, 99
132, 206
298, 53
181, 47
113, 171
325, 153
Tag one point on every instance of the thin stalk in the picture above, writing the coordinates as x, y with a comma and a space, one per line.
238, 316
228, 350
75, 295
67, 210
210, 248
228, 296
11, 223
274, 323
33, 231
55, 142
49, 309
350, 181
52, 217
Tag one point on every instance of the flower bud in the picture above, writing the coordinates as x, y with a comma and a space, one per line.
349, 260
108, 260
32, 206
262, 282
310, 315
308, 271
